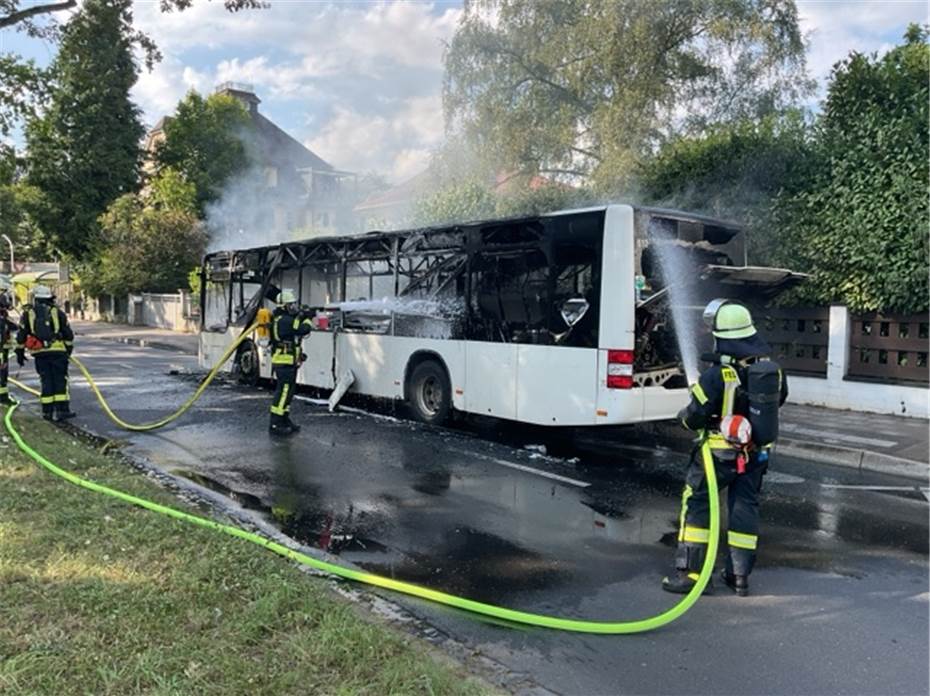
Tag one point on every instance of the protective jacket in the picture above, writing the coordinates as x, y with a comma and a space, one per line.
61, 339
287, 331
721, 389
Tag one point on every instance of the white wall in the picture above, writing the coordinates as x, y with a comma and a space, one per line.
838, 392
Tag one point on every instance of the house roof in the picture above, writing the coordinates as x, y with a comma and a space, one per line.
277, 146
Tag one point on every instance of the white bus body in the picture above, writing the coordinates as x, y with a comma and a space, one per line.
553, 385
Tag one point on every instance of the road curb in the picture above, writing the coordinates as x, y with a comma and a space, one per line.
862, 460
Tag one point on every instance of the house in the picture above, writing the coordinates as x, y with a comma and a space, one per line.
290, 191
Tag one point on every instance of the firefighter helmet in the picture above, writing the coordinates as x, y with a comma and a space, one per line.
40, 292
728, 319
287, 296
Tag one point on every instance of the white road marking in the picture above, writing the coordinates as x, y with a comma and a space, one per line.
524, 468
863, 487
831, 436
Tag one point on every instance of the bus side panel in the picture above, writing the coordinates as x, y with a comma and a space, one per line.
618, 312
492, 379
212, 346
379, 363
617, 328
317, 370
662, 404
556, 386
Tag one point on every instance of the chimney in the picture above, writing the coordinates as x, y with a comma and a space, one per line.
241, 91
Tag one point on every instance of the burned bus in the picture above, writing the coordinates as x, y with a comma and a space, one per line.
562, 319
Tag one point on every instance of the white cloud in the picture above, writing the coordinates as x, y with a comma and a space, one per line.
397, 145
158, 92
836, 28
331, 35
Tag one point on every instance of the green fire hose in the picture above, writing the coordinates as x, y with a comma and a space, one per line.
497, 612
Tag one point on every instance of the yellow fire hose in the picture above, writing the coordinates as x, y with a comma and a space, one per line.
497, 612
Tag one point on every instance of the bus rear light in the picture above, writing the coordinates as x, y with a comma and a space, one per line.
620, 369
624, 357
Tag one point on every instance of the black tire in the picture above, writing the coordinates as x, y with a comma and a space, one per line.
247, 364
429, 393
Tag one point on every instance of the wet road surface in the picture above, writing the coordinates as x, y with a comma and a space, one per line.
840, 593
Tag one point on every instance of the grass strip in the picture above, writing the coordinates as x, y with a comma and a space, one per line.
100, 597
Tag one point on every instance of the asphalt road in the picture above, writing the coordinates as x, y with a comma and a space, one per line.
840, 593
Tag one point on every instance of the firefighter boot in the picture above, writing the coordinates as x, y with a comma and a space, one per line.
5, 400
688, 561
63, 411
291, 424
48, 411
279, 427
738, 583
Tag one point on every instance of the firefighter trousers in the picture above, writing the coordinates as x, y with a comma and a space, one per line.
743, 515
286, 383
4, 375
52, 367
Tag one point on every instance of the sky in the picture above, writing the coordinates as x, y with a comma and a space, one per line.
359, 83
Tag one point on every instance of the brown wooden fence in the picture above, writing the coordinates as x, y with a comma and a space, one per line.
799, 338
889, 348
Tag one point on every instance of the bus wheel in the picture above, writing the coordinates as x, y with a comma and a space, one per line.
247, 363
429, 393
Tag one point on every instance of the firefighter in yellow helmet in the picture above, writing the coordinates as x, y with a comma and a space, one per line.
7, 344
734, 406
45, 332
288, 327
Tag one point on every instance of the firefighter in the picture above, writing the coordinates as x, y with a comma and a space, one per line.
288, 326
734, 407
7, 334
45, 332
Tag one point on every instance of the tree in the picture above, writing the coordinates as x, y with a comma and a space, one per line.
144, 248
734, 171
170, 190
84, 151
22, 83
15, 13
206, 142
584, 89
860, 226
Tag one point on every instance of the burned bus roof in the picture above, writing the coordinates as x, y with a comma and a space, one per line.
668, 213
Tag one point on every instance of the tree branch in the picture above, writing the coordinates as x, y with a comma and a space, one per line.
21, 15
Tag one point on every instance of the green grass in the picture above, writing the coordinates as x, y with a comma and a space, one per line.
100, 597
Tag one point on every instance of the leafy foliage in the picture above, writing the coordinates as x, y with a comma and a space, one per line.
84, 151
475, 199
206, 143
860, 226
144, 248
21, 85
169, 189
586, 89
735, 171
21, 205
